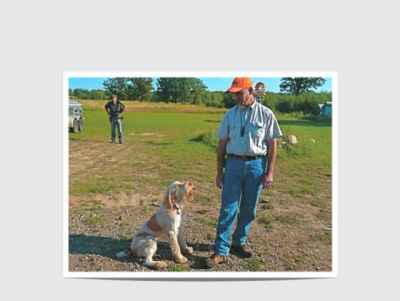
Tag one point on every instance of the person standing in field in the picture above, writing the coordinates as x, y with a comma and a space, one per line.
114, 109
247, 149
259, 91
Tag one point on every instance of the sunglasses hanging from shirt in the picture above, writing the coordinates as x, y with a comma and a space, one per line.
243, 124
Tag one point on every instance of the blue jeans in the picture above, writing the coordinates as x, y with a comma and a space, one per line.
241, 190
116, 127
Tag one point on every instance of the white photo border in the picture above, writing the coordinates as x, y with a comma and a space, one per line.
201, 275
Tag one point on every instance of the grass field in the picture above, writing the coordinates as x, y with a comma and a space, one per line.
114, 188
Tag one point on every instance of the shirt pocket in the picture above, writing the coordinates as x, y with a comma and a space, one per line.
257, 132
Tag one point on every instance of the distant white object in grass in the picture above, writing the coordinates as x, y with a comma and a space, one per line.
313, 140
292, 139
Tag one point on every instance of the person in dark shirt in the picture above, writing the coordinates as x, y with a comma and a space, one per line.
114, 109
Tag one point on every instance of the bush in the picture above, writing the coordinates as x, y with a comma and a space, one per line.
229, 100
213, 99
285, 106
210, 138
270, 101
306, 103
308, 107
284, 103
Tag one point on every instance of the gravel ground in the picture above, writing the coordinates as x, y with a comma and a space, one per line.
99, 229
96, 238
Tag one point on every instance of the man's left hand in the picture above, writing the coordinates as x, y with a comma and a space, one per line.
267, 181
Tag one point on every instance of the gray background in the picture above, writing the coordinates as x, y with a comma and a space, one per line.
41, 39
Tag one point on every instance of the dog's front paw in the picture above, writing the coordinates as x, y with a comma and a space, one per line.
188, 250
181, 259
161, 265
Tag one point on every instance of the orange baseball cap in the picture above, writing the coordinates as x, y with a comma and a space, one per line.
240, 83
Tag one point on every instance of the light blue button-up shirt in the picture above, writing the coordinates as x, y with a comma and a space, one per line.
258, 125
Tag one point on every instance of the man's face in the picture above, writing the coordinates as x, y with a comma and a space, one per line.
260, 87
114, 98
243, 97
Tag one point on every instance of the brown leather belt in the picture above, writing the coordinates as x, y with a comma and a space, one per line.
245, 158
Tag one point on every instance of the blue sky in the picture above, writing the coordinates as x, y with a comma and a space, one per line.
213, 83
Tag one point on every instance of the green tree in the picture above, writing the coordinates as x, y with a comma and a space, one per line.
184, 90
117, 86
129, 88
300, 85
140, 88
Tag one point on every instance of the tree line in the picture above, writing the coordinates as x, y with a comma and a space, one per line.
296, 94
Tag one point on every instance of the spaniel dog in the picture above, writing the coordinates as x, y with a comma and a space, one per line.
165, 224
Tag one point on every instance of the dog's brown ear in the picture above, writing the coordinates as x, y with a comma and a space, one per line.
169, 199
189, 191
190, 186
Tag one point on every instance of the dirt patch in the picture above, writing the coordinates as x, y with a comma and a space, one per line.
285, 246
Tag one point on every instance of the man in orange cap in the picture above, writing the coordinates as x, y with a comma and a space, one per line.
247, 150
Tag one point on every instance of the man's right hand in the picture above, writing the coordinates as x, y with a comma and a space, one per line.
219, 180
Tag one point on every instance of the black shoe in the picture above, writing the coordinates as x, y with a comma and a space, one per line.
243, 251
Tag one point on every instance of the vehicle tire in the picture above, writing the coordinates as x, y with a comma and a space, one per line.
75, 126
80, 125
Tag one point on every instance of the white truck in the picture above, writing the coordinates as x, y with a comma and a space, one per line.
75, 116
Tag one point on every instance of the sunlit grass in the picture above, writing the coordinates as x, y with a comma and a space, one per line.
172, 145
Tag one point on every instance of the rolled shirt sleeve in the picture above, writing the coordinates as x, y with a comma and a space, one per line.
122, 108
223, 131
273, 130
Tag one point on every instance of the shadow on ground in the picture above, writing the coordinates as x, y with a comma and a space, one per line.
97, 245
80, 244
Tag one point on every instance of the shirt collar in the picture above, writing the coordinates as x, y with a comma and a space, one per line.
252, 106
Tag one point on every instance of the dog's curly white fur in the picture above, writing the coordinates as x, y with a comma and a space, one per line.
165, 224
